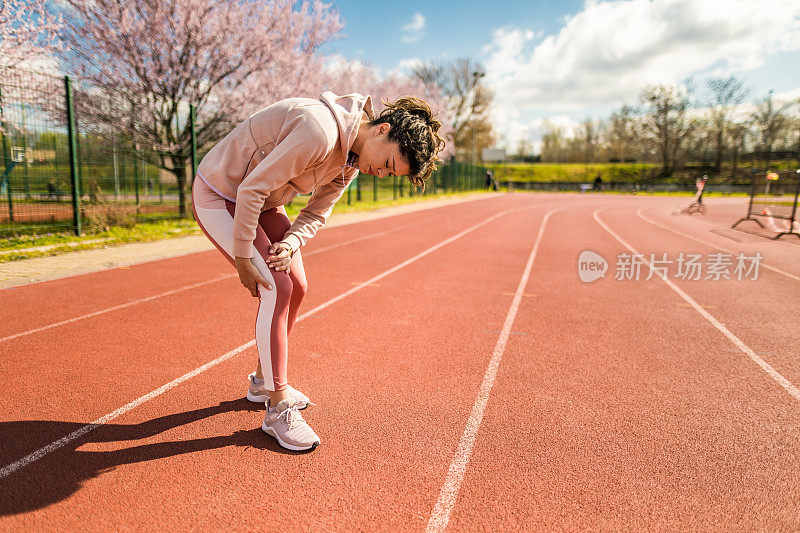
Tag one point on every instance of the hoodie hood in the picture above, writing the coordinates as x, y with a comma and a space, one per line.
348, 110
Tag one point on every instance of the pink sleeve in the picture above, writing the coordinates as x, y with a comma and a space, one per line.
303, 146
320, 206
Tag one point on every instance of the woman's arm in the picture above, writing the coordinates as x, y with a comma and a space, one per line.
320, 206
306, 144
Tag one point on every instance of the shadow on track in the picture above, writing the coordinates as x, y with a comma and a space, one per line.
60, 474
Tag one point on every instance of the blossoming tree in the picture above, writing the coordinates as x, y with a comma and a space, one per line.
141, 63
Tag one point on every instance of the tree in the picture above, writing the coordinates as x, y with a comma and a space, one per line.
589, 139
621, 133
468, 101
524, 148
553, 142
666, 124
736, 133
27, 31
141, 63
769, 119
723, 94
348, 76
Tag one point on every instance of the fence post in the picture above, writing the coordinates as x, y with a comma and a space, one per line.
25, 154
116, 172
192, 117
358, 188
7, 165
73, 161
136, 160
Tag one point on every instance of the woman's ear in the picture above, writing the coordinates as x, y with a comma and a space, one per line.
383, 129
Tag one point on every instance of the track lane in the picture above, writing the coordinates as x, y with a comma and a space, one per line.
603, 418
111, 345
782, 257
30, 307
401, 397
757, 311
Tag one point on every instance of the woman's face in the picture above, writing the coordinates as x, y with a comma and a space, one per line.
379, 156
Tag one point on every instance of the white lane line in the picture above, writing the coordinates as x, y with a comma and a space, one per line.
364, 238
38, 454
324, 228
186, 288
115, 308
785, 383
440, 515
717, 247
409, 261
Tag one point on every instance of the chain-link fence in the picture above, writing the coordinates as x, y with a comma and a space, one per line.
46, 186
452, 176
67, 167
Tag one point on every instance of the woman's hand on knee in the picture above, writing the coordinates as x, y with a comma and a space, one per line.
282, 258
250, 276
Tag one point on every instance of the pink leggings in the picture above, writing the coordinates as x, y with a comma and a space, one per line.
277, 308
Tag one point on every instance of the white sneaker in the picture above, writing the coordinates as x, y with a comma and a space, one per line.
259, 393
287, 425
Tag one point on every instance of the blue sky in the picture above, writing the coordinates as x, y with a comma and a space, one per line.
565, 61
373, 29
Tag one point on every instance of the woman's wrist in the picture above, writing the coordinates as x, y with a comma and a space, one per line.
287, 246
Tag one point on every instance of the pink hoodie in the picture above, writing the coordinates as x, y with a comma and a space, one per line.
297, 145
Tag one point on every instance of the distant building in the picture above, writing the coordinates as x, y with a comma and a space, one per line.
493, 155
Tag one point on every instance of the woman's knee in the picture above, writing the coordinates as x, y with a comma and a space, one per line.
299, 287
284, 286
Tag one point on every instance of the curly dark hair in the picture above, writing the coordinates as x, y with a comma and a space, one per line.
415, 130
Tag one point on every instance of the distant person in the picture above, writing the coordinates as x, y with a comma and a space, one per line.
488, 180
298, 145
53, 192
697, 206
598, 183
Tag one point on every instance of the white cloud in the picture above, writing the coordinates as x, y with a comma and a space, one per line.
605, 54
790, 96
414, 30
405, 66
337, 63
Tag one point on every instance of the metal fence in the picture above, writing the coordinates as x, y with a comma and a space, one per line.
452, 176
63, 171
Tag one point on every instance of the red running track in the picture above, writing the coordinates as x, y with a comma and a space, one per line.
615, 404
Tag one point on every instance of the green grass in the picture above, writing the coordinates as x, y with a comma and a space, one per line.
625, 172
66, 242
570, 172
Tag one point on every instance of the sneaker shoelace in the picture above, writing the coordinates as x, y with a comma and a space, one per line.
290, 416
